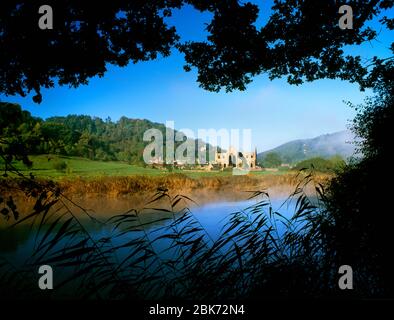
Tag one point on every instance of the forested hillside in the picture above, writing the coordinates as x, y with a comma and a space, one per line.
76, 135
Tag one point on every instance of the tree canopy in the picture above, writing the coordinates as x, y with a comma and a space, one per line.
76, 135
322, 165
272, 160
301, 40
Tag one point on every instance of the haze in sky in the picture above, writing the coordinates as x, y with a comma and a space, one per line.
161, 91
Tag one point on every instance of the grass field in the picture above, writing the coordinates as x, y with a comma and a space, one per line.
79, 177
44, 167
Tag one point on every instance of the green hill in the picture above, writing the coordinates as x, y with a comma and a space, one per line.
78, 135
324, 146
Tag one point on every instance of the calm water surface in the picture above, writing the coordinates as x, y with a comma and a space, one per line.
17, 243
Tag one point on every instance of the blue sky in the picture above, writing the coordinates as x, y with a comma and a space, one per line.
160, 91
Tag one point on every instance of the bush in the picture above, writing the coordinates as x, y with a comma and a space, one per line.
60, 165
322, 165
272, 160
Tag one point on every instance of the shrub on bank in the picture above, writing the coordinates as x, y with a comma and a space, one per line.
60, 165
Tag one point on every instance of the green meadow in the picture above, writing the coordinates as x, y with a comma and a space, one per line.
57, 167
47, 166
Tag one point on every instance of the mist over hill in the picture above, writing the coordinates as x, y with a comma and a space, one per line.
325, 146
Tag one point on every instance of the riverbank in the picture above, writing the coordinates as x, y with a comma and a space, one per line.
135, 191
175, 183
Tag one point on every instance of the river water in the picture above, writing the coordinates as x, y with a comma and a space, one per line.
18, 242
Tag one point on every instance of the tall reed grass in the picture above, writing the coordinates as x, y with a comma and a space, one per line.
176, 183
259, 252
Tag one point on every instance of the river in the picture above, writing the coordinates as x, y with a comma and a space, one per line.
18, 242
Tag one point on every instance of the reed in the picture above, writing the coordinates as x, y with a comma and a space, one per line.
176, 183
251, 258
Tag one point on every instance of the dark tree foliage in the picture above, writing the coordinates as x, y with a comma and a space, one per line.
85, 38
17, 135
301, 40
359, 199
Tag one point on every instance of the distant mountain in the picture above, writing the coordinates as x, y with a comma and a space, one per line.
325, 146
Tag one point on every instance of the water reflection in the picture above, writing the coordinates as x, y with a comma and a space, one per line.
18, 242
